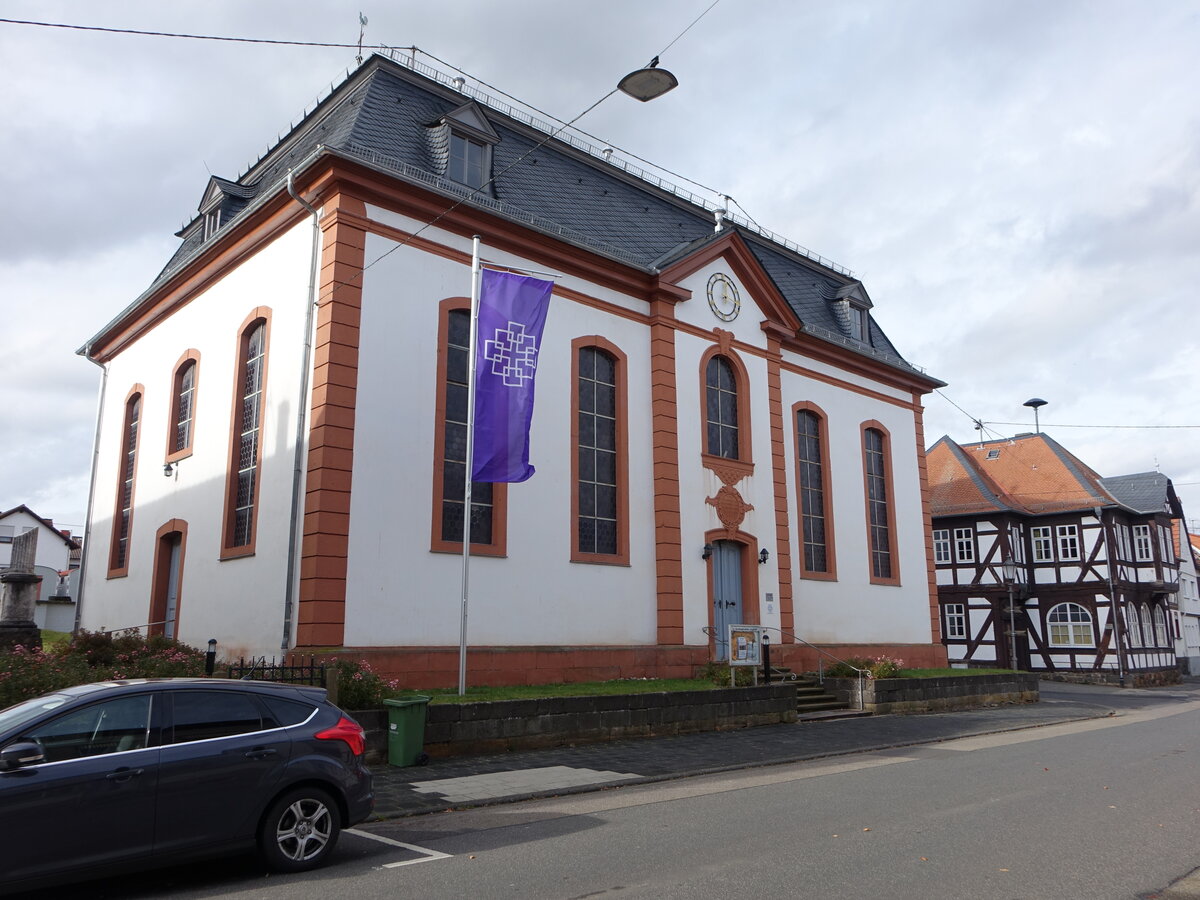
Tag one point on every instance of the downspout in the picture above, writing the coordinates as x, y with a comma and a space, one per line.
298, 466
1114, 611
86, 353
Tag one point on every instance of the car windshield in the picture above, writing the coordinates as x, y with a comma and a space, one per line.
18, 715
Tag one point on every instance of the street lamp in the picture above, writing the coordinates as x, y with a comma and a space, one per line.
648, 83
1010, 577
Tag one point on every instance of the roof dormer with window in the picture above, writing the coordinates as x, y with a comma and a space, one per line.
462, 142
852, 307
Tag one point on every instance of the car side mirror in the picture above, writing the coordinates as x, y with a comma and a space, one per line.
22, 753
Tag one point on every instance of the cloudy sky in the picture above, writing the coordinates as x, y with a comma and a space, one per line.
1017, 183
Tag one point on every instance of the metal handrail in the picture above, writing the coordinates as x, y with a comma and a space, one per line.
862, 673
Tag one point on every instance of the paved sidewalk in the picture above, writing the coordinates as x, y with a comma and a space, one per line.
505, 778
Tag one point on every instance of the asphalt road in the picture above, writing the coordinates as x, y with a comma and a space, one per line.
1107, 808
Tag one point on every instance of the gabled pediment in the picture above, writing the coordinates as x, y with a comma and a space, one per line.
470, 120
855, 293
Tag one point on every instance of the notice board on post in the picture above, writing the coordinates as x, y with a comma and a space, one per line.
745, 645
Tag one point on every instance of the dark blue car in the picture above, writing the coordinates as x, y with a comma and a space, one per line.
132, 773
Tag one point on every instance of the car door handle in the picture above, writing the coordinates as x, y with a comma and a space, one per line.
260, 753
123, 775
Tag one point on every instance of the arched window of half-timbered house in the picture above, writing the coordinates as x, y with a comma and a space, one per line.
1161, 639
1070, 625
1147, 627
1134, 625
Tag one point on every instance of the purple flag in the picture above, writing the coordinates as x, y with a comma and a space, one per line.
512, 314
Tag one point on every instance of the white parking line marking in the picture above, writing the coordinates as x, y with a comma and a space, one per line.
427, 855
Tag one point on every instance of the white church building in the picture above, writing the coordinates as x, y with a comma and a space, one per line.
722, 432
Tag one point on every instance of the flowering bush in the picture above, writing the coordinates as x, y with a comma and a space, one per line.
93, 656
360, 687
876, 667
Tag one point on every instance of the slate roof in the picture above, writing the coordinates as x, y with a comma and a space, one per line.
381, 116
1032, 474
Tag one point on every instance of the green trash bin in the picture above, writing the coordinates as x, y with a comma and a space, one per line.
406, 731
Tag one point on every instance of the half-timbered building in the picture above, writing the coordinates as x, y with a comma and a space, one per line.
1045, 566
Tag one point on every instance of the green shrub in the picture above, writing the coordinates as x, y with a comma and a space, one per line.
718, 674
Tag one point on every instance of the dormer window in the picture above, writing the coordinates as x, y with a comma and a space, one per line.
859, 328
466, 160
462, 142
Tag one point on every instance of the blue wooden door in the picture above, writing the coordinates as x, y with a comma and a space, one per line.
727, 592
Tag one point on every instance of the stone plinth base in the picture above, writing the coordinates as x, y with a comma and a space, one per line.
27, 634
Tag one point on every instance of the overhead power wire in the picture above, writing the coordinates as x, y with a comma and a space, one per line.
384, 47
1060, 425
178, 34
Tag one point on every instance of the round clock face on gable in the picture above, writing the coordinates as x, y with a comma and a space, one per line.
723, 297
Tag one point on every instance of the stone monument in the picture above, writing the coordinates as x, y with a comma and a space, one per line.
20, 593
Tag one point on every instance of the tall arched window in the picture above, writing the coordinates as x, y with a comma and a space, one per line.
812, 481
183, 406
118, 560
450, 448
1147, 627
877, 471
1134, 627
721, 409
1070, 625
1161, 639
244, 476
599, 464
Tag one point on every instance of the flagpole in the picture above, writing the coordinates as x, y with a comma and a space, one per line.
466, 537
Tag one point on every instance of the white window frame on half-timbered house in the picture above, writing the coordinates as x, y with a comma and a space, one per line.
1042, 539
956, 620
1069, 625
1133, 625
1068, 542
1161, 638
964, 545
1143, 549
941, 546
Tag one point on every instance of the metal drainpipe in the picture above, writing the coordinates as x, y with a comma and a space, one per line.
301, 418
1114, 610
86, 353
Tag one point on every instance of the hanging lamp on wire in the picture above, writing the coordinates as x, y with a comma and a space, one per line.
648, 83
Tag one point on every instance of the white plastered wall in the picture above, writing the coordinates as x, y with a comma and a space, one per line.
240, 602
398, 591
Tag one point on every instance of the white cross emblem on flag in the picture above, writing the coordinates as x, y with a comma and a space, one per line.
513, 354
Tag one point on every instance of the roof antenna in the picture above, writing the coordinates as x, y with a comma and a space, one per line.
979, 428
362, 29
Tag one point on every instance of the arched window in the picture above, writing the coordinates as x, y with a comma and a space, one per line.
1134, 627
877, 471
245, 460
118, 560
183, 406
450, 448
1147, 627
814, 501
599, 464
721, 409
1070, 625
1161, 639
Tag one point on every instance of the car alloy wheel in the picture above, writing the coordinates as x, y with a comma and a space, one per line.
300, 830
